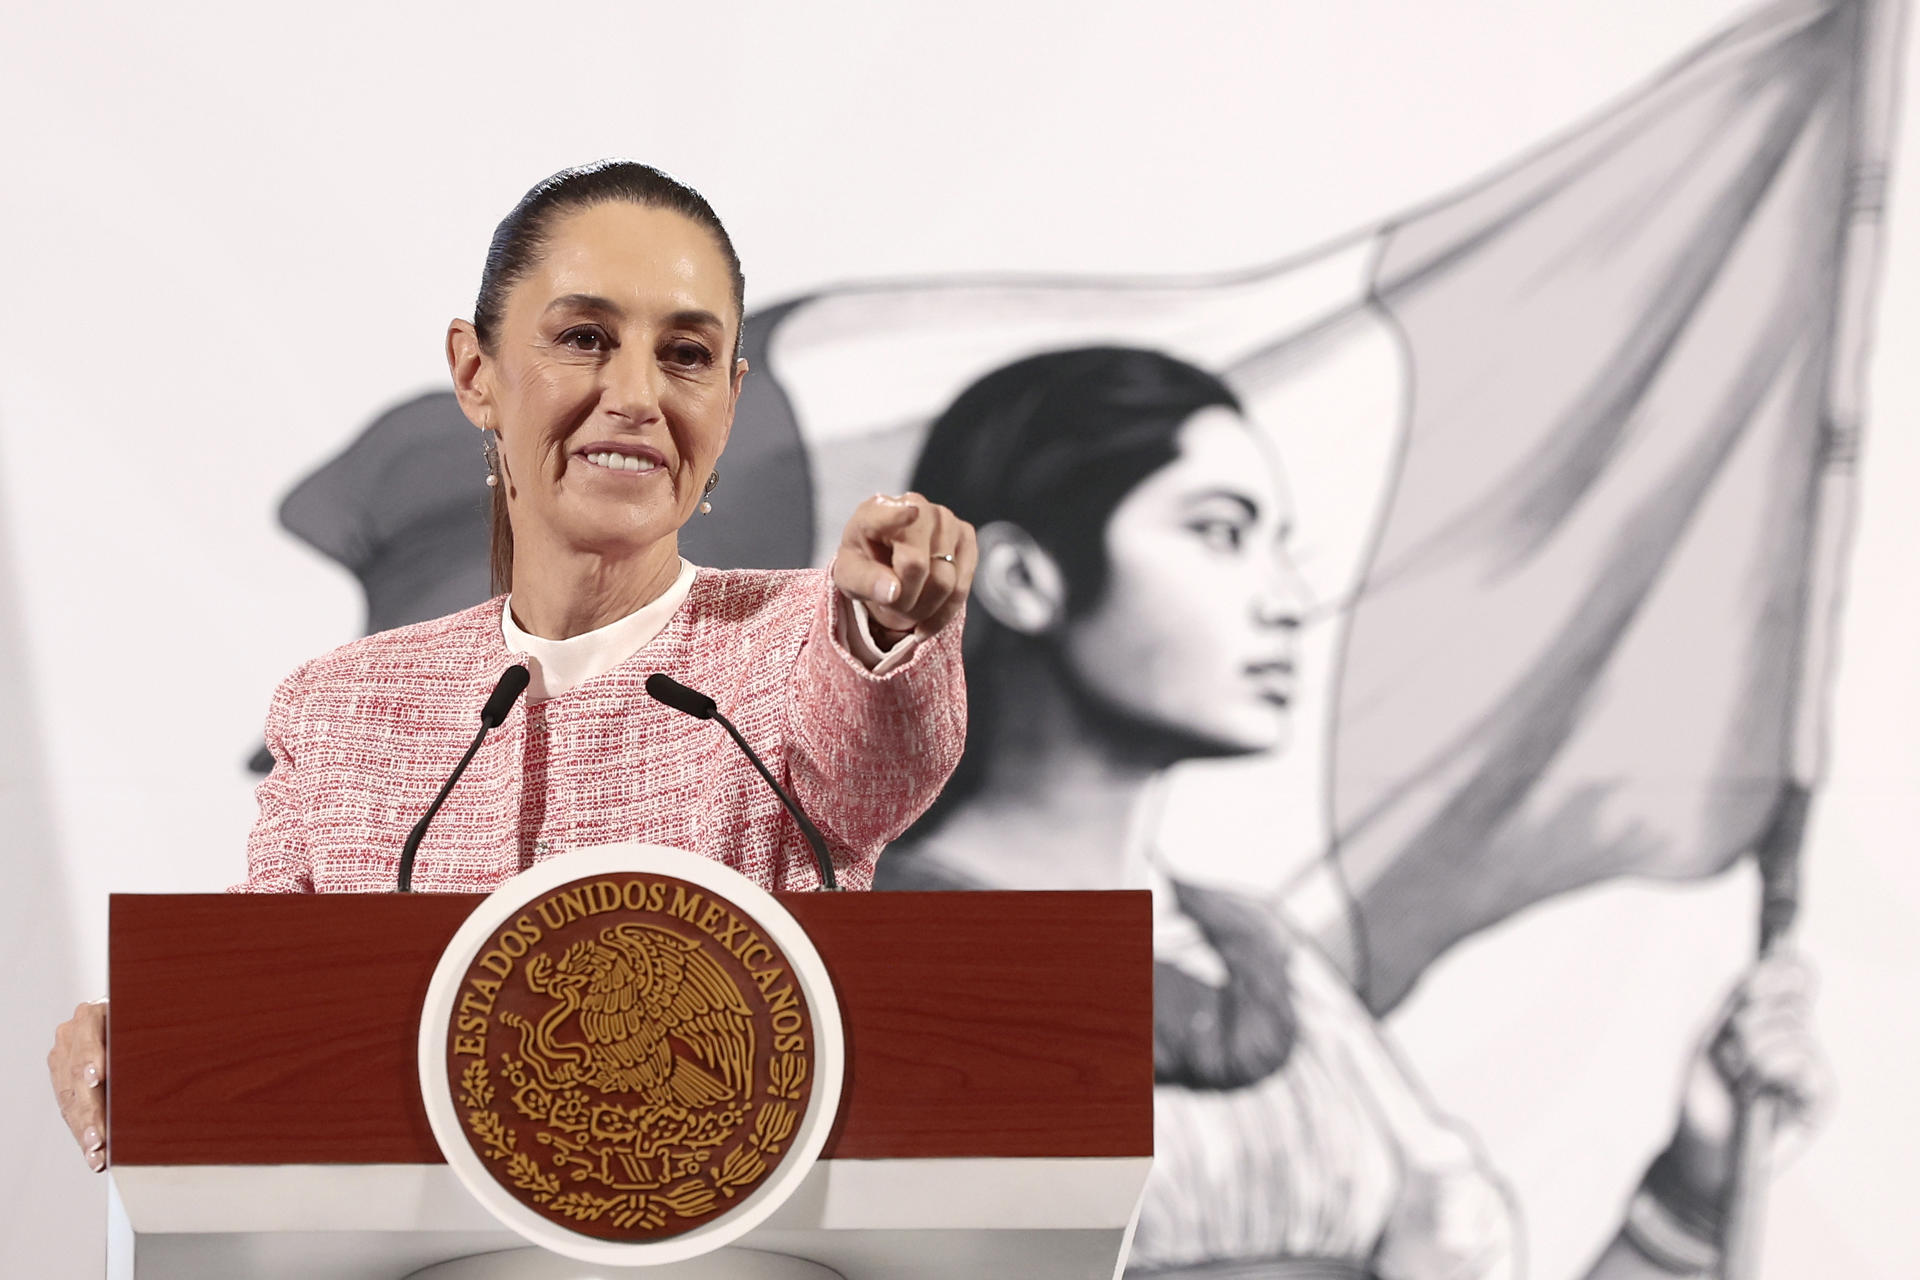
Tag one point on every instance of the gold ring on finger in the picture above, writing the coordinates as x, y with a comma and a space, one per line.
945, 555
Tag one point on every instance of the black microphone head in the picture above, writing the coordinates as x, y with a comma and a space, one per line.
513, 682
665, 688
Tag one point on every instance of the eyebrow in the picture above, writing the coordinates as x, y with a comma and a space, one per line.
695, 318
686, 318
1241, 500
587, 302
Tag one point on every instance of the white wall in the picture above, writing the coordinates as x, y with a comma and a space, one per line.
234, 233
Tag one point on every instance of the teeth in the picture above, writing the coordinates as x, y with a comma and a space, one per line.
621, 462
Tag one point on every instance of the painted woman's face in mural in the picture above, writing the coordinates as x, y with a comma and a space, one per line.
613, 381
1196, 630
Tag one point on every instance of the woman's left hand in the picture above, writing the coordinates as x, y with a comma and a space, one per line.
908, 560
1762, 1044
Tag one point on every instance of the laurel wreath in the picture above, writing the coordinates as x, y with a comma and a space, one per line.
692, 1196
788, 1072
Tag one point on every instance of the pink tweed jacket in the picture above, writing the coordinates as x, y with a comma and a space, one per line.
363, 737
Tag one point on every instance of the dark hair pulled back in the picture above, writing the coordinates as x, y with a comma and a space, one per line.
1053, 443
523, 235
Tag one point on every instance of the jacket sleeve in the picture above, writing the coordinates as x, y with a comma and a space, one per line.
869, 752
278, 856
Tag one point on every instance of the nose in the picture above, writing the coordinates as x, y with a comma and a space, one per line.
631, 385
1285, 595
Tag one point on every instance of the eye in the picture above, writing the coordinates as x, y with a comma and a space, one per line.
688, 355
585, 337
1219, 534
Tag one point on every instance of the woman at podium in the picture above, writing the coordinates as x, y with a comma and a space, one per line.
602, 366
1136, 607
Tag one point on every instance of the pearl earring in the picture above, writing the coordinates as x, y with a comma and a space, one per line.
713, 479
490, 450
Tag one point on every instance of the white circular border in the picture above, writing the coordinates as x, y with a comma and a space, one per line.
511, 898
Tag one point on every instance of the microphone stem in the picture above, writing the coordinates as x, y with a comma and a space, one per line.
815, 841
412, 846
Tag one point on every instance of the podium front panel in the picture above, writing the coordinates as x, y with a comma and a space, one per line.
280, 1029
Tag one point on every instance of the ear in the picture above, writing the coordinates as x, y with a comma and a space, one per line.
1018, 582
472, 383
733, 399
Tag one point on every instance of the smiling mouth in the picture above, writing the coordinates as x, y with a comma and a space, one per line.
609, 461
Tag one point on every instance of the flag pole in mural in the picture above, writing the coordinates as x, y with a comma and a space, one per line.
1560, 450
1880, 34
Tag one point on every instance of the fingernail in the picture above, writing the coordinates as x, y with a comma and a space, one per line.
92, 1075
889, 591
97, 1161
91, 1139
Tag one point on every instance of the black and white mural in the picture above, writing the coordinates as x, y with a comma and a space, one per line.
1443, 617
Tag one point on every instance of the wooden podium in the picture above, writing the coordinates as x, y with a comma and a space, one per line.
265, 1114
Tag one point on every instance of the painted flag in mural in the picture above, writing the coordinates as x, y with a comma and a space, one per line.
1555, 444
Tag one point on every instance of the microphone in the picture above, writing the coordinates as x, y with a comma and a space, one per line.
665, 689
512, 683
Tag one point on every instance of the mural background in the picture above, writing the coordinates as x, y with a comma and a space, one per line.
233, 239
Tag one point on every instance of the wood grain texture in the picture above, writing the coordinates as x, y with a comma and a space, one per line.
280, 1029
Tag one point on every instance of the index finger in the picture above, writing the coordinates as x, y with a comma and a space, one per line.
882, 517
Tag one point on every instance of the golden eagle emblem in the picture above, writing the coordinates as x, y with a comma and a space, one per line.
638, 991
631, 1056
